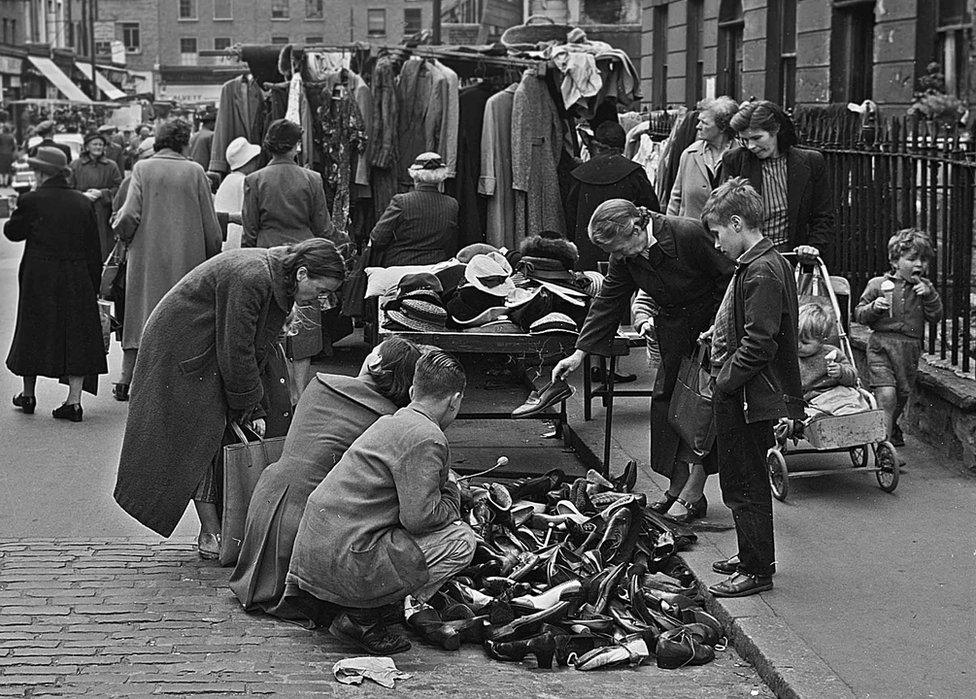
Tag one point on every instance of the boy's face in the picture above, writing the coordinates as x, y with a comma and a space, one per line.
728, 237
909, 266
808, 346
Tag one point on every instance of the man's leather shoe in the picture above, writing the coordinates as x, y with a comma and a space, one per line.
680, 647
535, 489
616, 532
741, 585
25, 403
537, 402
730, 566
72, 412
372, 638
208, 546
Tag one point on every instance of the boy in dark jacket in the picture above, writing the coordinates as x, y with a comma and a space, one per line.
896, 307
757, 378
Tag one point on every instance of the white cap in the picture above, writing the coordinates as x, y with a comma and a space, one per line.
240, 152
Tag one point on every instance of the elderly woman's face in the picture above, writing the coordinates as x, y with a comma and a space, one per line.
627, 244
762, 144
309, 288
706, 129
96, 147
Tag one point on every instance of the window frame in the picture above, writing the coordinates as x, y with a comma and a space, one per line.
321, 10
694, 63
280, 41
659, 59
851, 53
420, 20
951, 51
127, 26
230, 9
731, 24
370, 12
195, 9
281, 3
195, 53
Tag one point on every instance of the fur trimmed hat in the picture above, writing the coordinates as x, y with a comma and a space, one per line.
559, 249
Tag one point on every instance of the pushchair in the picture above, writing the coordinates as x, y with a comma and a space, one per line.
861, 434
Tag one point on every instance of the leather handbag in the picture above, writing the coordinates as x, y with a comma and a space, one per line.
690, 410
243, 465
113, 267
354, 287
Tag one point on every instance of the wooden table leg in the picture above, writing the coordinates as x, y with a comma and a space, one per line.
587, 389
563, 420
608, 425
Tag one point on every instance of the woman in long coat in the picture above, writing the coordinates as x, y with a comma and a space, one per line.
333, 411
198, 367
169, 223
58, 332
98, 178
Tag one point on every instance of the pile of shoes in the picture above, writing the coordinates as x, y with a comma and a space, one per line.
582, 573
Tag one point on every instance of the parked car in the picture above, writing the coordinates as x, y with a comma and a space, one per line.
23, 179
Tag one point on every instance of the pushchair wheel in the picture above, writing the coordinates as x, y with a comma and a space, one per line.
779, 477
859, 456
886, 460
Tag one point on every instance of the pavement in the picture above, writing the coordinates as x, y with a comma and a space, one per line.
874, 592
93, 603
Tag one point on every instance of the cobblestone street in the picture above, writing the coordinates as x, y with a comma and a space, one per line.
117, 618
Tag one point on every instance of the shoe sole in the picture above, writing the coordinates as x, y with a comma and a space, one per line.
744, 593
566, 395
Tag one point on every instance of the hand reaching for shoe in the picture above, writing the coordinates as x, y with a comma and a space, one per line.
567, 366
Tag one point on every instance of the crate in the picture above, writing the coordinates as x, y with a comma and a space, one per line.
845, 431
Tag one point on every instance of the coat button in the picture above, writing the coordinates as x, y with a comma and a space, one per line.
282, 380
286, 413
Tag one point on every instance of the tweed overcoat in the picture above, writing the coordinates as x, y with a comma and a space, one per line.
692, 184
199, 361
355, 545
417, 228
169, 220
58, 332
687, 277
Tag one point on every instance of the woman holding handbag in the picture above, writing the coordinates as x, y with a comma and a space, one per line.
58, 331
199, 367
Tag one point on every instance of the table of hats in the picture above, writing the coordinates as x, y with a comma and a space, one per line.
556, 344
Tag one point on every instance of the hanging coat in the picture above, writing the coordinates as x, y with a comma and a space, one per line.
103, 175
58, 331
169, 222
241, 113
496, 169
537, 142
198, 365
471, 207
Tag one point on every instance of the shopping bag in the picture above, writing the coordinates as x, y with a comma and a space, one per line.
690, 410
113, 267
243, 465
354, 288
105, 316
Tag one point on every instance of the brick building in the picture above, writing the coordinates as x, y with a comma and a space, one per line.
800, 51
174, 33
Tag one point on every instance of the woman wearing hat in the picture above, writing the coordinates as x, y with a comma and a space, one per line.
169, 224
418, 227
199, 367
98, 178
243, 158
58, 331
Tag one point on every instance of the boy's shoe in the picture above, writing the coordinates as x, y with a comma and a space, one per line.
897, 438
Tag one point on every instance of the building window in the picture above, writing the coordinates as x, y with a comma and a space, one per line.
130, 37
730, 24
103, 48
313, 9
953, 33
223, 9
659, 62
412, 21
311, 40
781, 53
279, 9
221, 43
188, 9
851, 50
695, 66
279, 40
375, 22
188, 52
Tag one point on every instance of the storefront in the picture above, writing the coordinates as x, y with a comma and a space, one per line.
11, 66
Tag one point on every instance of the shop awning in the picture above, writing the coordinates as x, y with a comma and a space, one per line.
107, 88
57, 78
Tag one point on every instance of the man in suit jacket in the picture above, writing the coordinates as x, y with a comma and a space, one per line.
46, 130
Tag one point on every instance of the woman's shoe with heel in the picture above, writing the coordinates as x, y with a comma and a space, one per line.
72, 412
25, 403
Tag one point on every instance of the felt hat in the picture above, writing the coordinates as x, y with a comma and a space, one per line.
92, 135
240, 152
427, 161
420, 310
553, 323
610, 134
50, 161
146, 148
45, 127
108, 128
491, 274
418, 281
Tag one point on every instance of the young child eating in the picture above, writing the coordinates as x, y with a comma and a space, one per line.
826, 373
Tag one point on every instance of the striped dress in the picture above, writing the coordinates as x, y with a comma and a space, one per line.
776, 222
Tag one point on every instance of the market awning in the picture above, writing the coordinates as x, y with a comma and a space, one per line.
107, 88
57, 77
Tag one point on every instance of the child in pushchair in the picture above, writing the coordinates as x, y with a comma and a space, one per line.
826, 373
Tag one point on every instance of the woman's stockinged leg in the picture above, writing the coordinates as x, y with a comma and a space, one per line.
75, 384
30, 385
207, 513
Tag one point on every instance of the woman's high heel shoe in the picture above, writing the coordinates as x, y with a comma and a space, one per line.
543, 647
120, 392
664, 504
25, 403
695, 510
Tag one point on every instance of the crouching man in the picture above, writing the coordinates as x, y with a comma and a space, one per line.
384, 522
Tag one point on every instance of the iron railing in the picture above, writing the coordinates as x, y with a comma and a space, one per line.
896, 174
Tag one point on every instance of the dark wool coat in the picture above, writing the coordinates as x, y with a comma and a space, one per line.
102, 174
198, 364
355, 544
687, 277
417, 228
332, 412
58, 331
598, 180
811, 211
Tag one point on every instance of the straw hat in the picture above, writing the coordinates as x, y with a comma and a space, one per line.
240, 152
491, 274
420, 310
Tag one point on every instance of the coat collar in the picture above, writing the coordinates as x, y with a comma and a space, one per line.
605, 170
755, 252
169, 154
797, 179
279, 280
56, 182
665, 245
358, 392
426, 187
